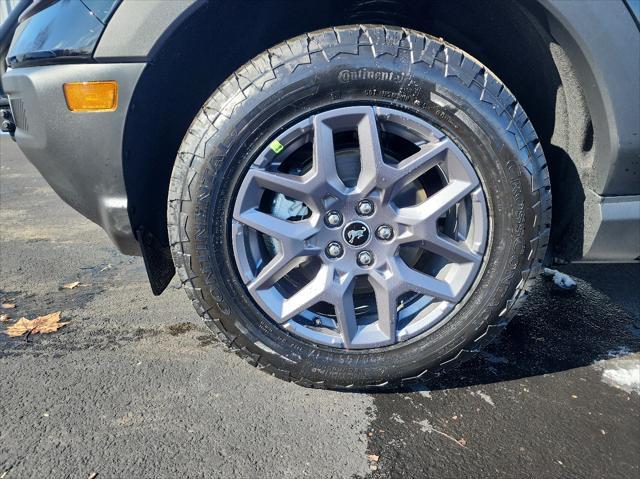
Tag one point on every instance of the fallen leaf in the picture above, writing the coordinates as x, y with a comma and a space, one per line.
373, 457
8, 305
574, 396
4, 318
18, 329
75, 284
93, 475
42, 324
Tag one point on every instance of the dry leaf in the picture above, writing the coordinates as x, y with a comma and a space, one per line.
75, 284
4, 318
22, 326
373, 457
8, 305
42, 324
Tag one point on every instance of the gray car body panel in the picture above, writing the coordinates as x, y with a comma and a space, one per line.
614, 232
137, 27
590, 35
79, 154
604, 48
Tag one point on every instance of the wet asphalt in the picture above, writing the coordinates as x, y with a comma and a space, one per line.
136, 386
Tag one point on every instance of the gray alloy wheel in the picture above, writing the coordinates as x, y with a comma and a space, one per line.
359, 227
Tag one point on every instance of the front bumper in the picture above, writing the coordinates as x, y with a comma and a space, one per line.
79, 154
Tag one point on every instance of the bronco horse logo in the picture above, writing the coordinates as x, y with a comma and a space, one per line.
356, 234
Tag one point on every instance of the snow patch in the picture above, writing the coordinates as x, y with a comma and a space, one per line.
621, 370
619, 352
425, 393
485, 397
425, 426
561, 280
624, 377
395, 417
422, 391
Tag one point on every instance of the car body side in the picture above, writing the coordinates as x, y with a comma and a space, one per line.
114, 167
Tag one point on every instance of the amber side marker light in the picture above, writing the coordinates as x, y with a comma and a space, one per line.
91, 95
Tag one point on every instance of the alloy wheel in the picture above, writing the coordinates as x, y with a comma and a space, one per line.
360, 227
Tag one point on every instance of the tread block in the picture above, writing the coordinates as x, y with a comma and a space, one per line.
459, 66
347, 42
300, 52
382, 40
430, 52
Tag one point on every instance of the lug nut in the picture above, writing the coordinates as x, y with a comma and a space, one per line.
364, 208
384, 232
333, 219
334, 250
365, 258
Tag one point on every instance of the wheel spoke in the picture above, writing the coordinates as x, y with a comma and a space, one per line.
283, 230
275, 269
422, 283
413, 167
312, 293
291, 237
438, 204
386, 305
372, 164
456, 251
448, 197
296, 187
325, 173
346, 313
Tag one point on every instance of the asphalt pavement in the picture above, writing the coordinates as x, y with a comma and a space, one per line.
136, 386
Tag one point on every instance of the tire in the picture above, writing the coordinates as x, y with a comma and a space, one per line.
387, 67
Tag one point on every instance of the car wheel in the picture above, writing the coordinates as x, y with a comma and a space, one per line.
359, 207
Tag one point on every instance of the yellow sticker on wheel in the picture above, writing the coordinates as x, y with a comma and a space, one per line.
276, 146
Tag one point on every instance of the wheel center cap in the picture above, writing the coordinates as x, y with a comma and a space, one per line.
356, 234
